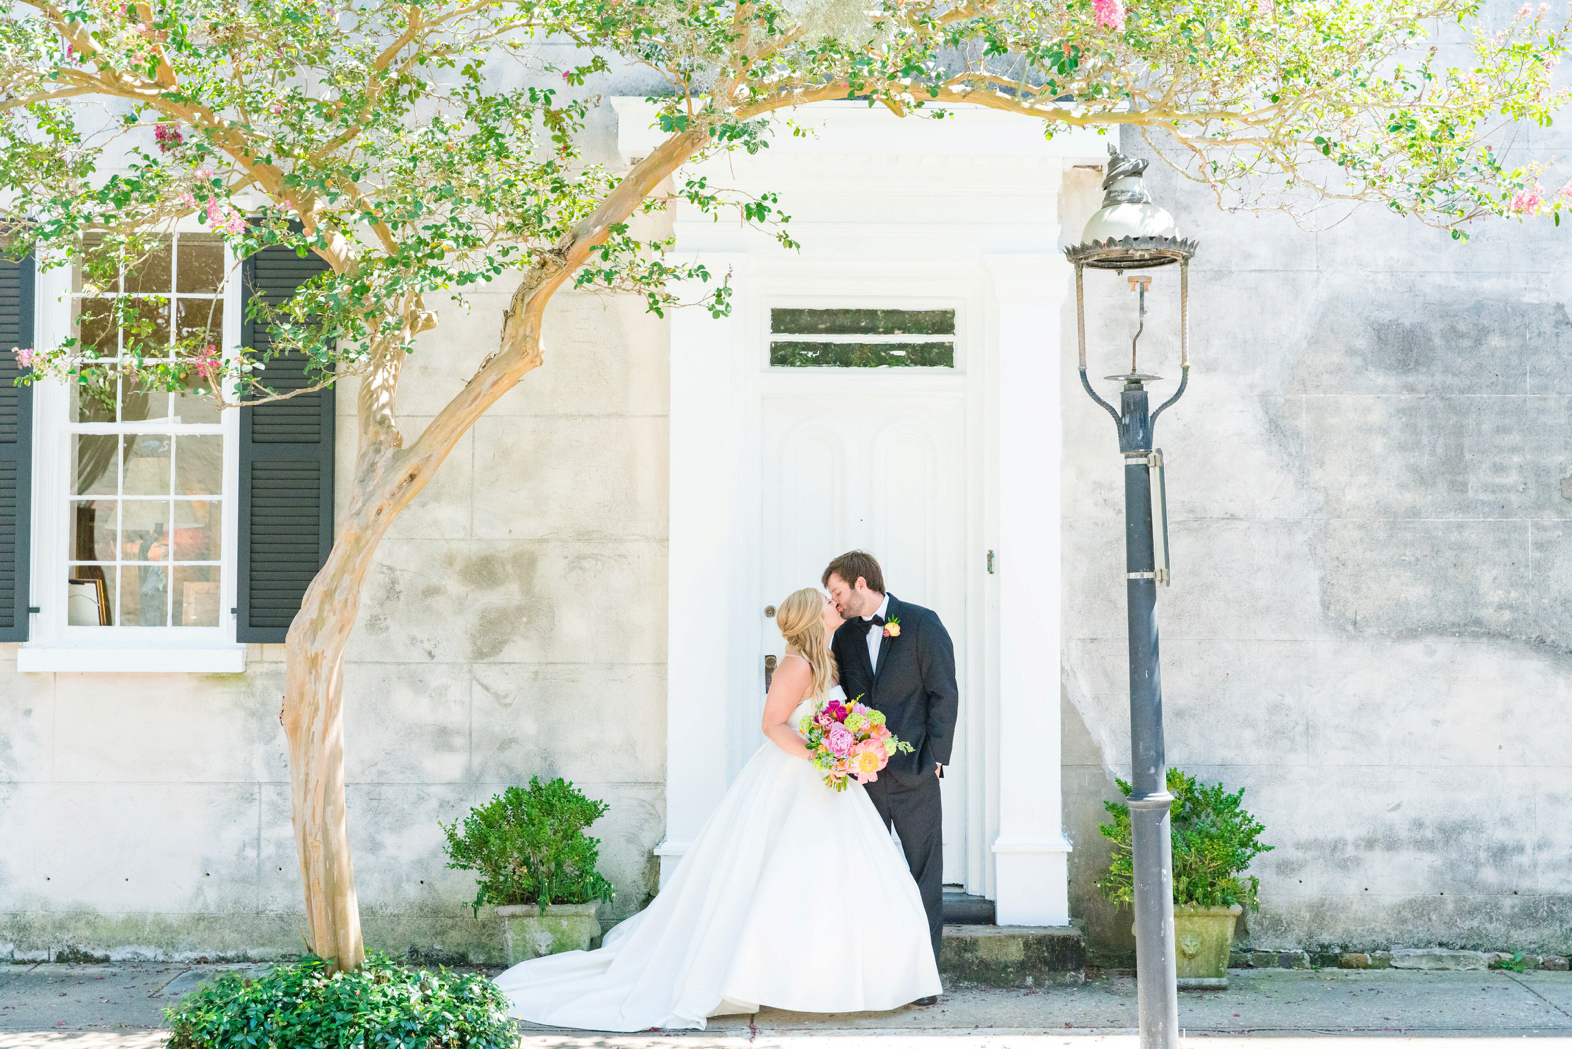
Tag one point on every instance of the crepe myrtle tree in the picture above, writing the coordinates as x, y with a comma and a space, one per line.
424, 147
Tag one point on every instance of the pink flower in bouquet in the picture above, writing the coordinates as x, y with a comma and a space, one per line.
861, 708
823, 719
840, 741
836, 709
867, 758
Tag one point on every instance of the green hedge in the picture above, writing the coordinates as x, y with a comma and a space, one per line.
380, 1006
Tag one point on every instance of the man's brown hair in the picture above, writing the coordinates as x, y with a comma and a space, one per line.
853, 564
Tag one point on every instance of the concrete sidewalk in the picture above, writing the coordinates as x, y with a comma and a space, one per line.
121, 1007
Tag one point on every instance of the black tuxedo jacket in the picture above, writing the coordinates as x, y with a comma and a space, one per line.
914, 685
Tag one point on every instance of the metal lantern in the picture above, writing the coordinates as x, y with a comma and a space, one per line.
1130, 232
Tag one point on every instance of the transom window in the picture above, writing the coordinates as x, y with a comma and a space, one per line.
147, 466
853, 338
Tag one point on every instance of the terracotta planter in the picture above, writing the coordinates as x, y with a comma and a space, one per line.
1203, 936
527, 933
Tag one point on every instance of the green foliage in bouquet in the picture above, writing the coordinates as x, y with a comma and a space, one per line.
382, 1005
529, 846
1214, 840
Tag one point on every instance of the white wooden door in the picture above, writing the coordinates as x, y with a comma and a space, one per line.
872, 461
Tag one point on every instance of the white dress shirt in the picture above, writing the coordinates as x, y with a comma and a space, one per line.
876, 633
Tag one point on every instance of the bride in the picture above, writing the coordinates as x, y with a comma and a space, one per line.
792, 895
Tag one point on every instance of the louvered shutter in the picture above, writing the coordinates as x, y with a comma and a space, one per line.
286, 468
16, 448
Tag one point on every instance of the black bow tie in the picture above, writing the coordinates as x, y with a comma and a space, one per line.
875, 620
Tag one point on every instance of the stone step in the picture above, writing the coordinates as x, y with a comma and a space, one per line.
1013, 955
963, 909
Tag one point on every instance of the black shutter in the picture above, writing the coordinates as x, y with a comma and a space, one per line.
16, 449
286, 467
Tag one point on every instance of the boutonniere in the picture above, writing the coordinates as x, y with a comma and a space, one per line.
892, 627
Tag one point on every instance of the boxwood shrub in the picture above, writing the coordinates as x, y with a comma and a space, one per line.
1214, 841
528, 846
305, 1006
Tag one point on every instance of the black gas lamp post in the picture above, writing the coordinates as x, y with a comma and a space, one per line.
1131, 233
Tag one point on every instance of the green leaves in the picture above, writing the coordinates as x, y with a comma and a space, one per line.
379, 1006
368, 134
529, 846
1214, 842
426, 149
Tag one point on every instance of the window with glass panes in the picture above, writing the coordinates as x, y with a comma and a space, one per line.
862, 338
147, 465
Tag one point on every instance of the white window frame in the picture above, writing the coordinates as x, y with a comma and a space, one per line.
54, 646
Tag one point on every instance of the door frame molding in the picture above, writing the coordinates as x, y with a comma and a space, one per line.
892, 208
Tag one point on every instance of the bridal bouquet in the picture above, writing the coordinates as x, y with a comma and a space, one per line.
849, 742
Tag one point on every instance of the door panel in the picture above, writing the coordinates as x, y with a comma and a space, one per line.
881, 470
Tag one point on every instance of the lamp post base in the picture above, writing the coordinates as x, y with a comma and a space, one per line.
1156, 964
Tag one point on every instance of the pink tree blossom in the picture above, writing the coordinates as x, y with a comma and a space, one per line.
208, 364
1110, 14
1527, 201
24, 358
167, 136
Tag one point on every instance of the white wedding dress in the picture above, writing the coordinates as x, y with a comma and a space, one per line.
792, 895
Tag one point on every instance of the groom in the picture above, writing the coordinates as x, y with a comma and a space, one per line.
899, 659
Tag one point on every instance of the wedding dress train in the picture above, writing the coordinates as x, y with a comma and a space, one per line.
792, 895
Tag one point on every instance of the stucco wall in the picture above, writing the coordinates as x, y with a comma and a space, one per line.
1369, 626
513, 626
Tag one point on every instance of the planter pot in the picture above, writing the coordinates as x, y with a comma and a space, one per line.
1203, 937
527, 933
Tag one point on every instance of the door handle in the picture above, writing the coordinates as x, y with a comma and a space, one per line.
769, 671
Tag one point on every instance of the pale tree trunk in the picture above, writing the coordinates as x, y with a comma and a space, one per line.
387, 477
314, 722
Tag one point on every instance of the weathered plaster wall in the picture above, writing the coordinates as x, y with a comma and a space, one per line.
512, 626
1369, 627
1368, 630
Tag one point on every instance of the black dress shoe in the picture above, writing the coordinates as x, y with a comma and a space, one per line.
932, 999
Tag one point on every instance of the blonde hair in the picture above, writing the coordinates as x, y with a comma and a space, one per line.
801, 619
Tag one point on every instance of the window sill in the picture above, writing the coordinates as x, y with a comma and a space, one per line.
146, 659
